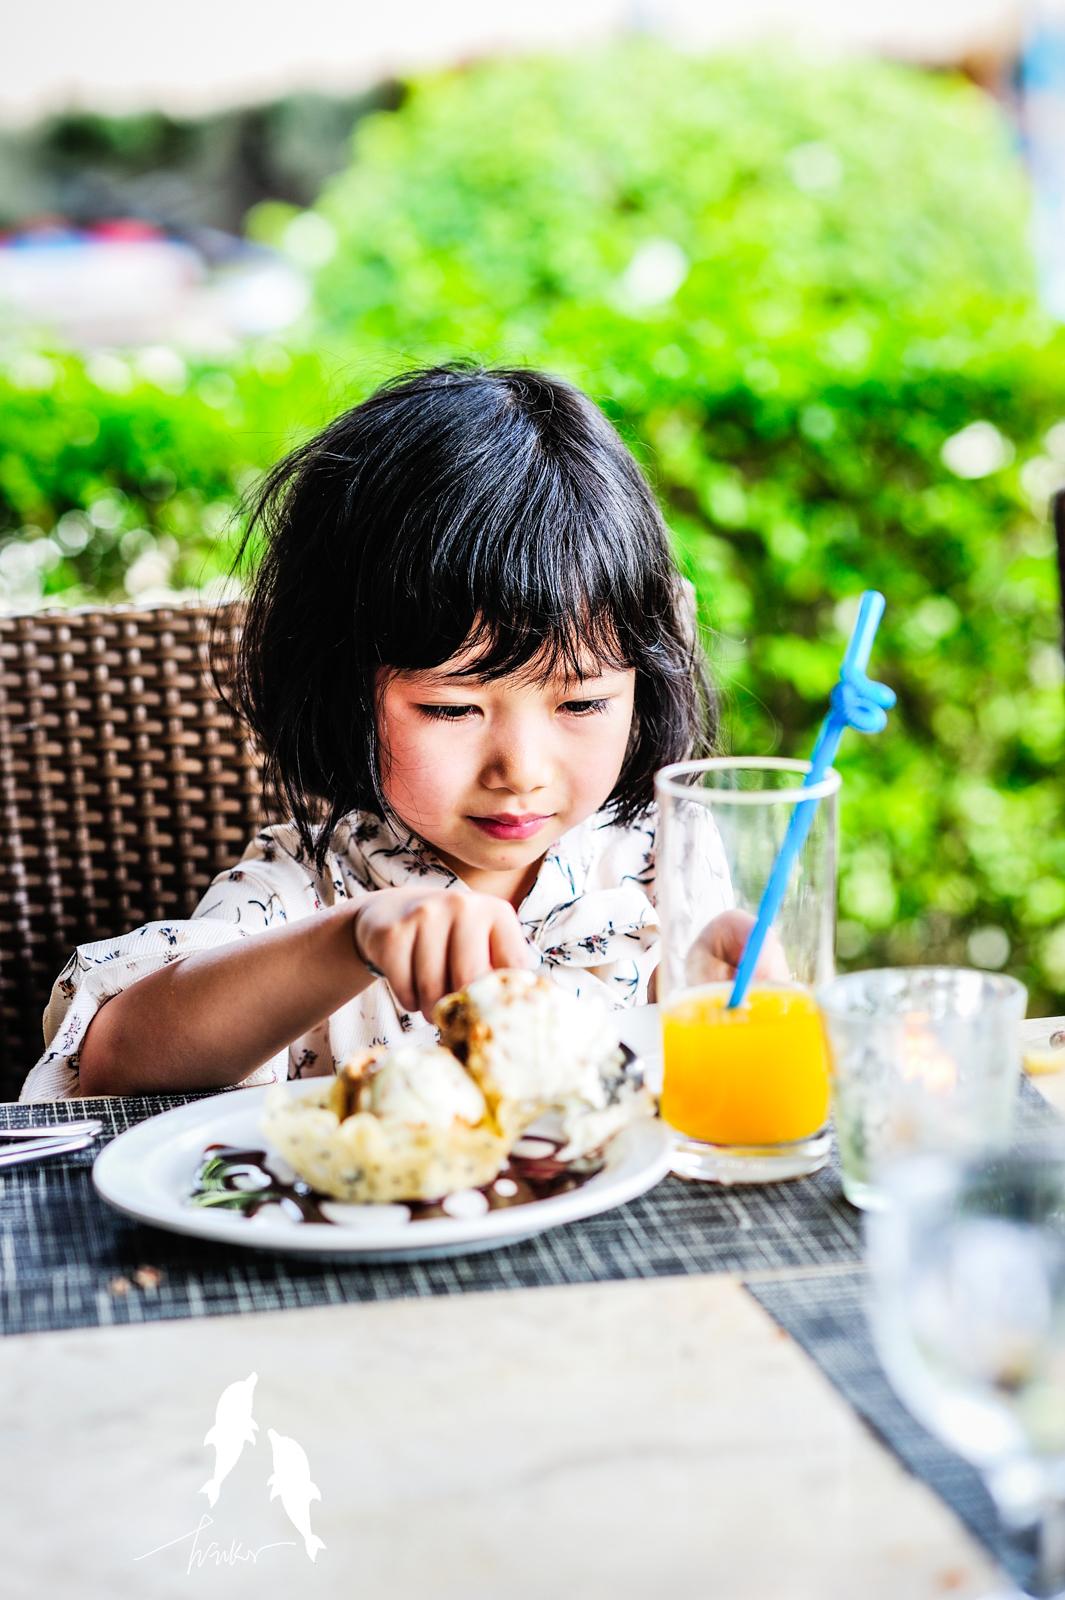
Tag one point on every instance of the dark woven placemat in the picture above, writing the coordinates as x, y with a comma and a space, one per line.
67, 1260
826, 1314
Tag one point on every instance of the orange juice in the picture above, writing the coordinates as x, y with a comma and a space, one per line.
753, 1076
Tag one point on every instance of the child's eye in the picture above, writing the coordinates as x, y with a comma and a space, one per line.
583, 708
447, 713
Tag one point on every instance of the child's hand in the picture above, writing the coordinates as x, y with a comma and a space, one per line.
430, 942
715, 955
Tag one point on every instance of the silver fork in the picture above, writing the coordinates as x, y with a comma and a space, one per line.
58, 1130
40, 1148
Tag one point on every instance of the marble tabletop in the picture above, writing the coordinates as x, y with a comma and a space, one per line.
613, 1441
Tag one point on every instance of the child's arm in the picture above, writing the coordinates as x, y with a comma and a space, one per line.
210, 1019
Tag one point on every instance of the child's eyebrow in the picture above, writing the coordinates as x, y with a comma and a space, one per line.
431, 678
562, 682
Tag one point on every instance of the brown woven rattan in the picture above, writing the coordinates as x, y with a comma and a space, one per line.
125, 785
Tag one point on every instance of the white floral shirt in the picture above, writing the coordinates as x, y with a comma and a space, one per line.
590, 917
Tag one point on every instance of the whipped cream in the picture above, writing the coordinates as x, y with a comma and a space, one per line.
417, 1085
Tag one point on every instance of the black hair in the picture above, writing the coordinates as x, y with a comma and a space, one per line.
458, 506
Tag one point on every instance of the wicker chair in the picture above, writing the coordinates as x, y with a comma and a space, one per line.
125, 785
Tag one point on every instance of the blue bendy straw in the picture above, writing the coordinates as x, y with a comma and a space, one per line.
857, 702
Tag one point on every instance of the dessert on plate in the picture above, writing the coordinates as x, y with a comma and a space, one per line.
533, 1047
416, 1123
403, 1124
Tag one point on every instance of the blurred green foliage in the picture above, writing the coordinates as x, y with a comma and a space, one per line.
790, 286
123, 477
796, 289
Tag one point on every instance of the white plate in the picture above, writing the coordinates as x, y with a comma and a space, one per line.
148, 1171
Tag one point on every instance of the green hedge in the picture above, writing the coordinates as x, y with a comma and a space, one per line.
120, 460
791, 286
853, 288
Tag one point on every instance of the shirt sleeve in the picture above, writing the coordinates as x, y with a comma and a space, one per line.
268, 887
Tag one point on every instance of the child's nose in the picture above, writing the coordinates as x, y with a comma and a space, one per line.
520, 765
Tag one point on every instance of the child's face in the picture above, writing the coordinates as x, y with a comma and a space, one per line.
491, 774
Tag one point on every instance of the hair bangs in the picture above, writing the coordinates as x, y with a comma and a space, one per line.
526, 602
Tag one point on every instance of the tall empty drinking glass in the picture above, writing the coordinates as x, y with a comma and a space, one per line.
745, 1088
968, 1313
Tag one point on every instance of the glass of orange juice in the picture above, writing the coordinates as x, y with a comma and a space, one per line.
746, 1089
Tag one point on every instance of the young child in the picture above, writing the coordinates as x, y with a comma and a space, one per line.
467, 651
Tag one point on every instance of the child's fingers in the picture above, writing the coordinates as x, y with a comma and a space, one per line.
702, 967
716, 953
772, 964
485, 934
438, 941
469, 953
398, 933
436, 918
391, 952
507, 946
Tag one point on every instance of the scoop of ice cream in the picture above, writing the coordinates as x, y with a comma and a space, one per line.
424, 1086
538, 1043
533, 1047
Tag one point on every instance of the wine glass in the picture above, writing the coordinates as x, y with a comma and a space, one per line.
968, 1315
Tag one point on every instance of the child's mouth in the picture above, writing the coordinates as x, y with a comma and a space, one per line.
504, 827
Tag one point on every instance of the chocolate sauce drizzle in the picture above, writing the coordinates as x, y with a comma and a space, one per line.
239, 1181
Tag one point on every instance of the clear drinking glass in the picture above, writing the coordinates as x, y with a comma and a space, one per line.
968, 1314
746, 1089
921, 1058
